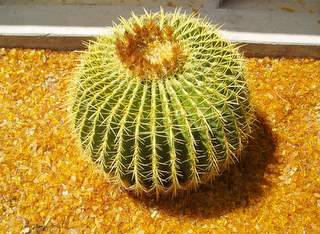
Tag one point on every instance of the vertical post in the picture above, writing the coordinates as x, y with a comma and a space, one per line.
215, 3
220, 2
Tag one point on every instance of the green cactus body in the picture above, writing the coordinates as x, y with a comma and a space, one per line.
162, 103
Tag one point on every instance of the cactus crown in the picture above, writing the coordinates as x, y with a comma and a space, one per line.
149, 51
162, 104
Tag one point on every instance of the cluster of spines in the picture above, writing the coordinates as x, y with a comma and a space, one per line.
164, 134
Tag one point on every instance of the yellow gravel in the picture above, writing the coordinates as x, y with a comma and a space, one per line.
46, 186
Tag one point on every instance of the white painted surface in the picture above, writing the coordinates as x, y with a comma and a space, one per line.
241, 37
272, 38
52, 31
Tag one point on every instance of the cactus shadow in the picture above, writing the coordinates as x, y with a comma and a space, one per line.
239, 187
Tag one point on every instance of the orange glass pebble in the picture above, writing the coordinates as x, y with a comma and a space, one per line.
47, 187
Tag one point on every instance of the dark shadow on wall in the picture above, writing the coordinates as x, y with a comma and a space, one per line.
239, 187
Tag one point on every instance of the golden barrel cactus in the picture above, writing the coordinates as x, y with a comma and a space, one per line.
162, 103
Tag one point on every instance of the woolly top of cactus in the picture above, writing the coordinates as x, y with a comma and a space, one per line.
152, 47
150, 52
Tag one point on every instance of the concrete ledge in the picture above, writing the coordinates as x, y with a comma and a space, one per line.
278, 50
77, 43
40, 42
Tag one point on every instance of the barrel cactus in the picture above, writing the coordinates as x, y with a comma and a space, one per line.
162, 104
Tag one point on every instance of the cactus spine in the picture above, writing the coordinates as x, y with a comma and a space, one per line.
162, 103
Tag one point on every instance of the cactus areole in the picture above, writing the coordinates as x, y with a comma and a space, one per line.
162, 104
